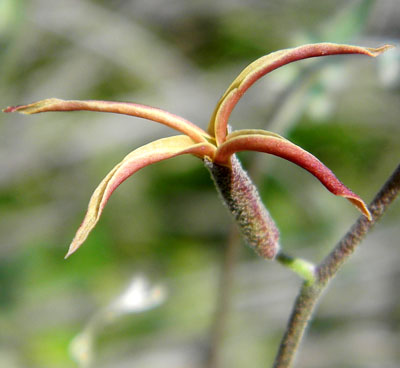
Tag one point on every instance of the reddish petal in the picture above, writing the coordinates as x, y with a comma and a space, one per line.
127, 108
260, 67
262, 141
156, 151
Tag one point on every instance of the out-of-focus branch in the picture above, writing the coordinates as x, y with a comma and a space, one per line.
224, 299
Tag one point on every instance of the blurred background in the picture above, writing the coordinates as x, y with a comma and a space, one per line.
143, 289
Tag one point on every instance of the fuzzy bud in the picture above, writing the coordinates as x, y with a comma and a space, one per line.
244, 203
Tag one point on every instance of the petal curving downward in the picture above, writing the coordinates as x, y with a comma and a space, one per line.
219, 120
127, 108
156, 151
263, 141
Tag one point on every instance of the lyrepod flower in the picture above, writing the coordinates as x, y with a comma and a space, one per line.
215, 145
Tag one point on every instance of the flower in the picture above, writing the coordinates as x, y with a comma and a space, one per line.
215, 144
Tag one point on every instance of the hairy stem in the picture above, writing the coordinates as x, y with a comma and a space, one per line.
345, 248
310, 292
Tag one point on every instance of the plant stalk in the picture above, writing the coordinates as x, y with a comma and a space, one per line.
327, 270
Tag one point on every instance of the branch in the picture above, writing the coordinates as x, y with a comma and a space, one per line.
327, 270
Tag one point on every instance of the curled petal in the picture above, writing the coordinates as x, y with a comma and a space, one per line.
263, 141
156, 151
222, 115
219, 120
142, 111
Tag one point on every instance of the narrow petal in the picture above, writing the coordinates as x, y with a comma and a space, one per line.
266, 64
126, 108
263, 141
156, 151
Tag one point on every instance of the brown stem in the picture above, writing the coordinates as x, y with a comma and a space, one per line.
299, 319
310, 293
343, 250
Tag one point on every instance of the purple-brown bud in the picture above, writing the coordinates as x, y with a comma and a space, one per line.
244, 203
